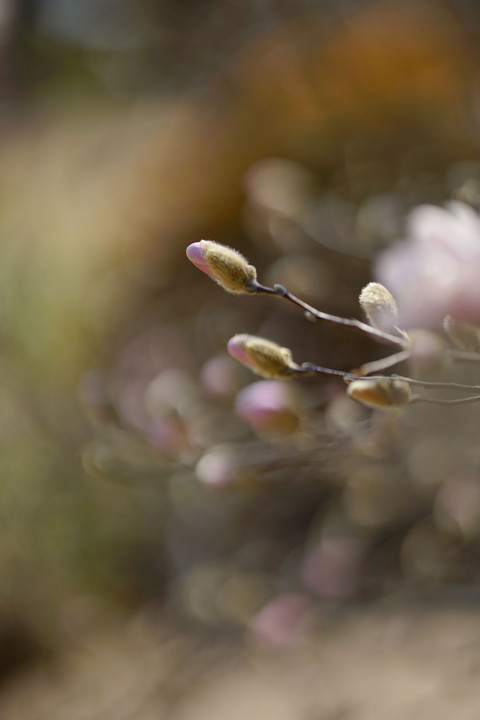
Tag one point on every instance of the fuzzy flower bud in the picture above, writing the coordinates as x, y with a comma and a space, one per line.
264, 357
379, 306
381, 393
464, 335
228, 267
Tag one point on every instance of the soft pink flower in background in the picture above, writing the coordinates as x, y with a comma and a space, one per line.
331, 568
216, 468
269, 406
436, 270
283, 621
220, 376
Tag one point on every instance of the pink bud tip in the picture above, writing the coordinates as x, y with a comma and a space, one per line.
195, 255
283, 622
236, 350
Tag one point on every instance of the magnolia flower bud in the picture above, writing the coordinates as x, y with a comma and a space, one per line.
262, 356
228, 267
464, 335
382, 393
379, 306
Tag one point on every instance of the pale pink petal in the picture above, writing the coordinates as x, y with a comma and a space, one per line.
195, 255
236, 349
268, 406
283, 621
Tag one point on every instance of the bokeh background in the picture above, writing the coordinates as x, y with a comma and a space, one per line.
161, 554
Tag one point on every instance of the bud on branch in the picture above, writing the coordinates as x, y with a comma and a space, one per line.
379, 306
264, 357
228, 267
381, 392
233, 272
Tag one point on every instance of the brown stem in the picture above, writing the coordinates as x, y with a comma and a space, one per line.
465, 356
314, 314
383, 364
435, 385
441, 401
308, 369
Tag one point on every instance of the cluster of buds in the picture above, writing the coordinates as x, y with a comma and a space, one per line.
366, 384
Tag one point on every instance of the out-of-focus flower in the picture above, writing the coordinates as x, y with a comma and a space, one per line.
380, 393
331, 569
269, 406
216, 468
283, 621
379, 306
427, 352
264, 357
228, 267
220, 376
435, 271
169, 433
464, 335
456, 508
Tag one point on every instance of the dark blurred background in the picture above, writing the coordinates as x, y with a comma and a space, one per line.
132, 492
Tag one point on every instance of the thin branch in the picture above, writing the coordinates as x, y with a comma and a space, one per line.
441, 401
314, 314
383, 364
308, 369
432, 385
464, 355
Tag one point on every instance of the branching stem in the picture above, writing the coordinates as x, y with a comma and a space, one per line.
364, 371
464, 356
314, 314
382, 364
442, 401
428, 384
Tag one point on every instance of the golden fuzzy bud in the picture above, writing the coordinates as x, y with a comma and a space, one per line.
228, 267
379, 306
380, 393
264, 357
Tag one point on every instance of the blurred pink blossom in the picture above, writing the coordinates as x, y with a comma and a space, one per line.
331, 569
216, 467
435, 271
283, 621
269, 406
220, 376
